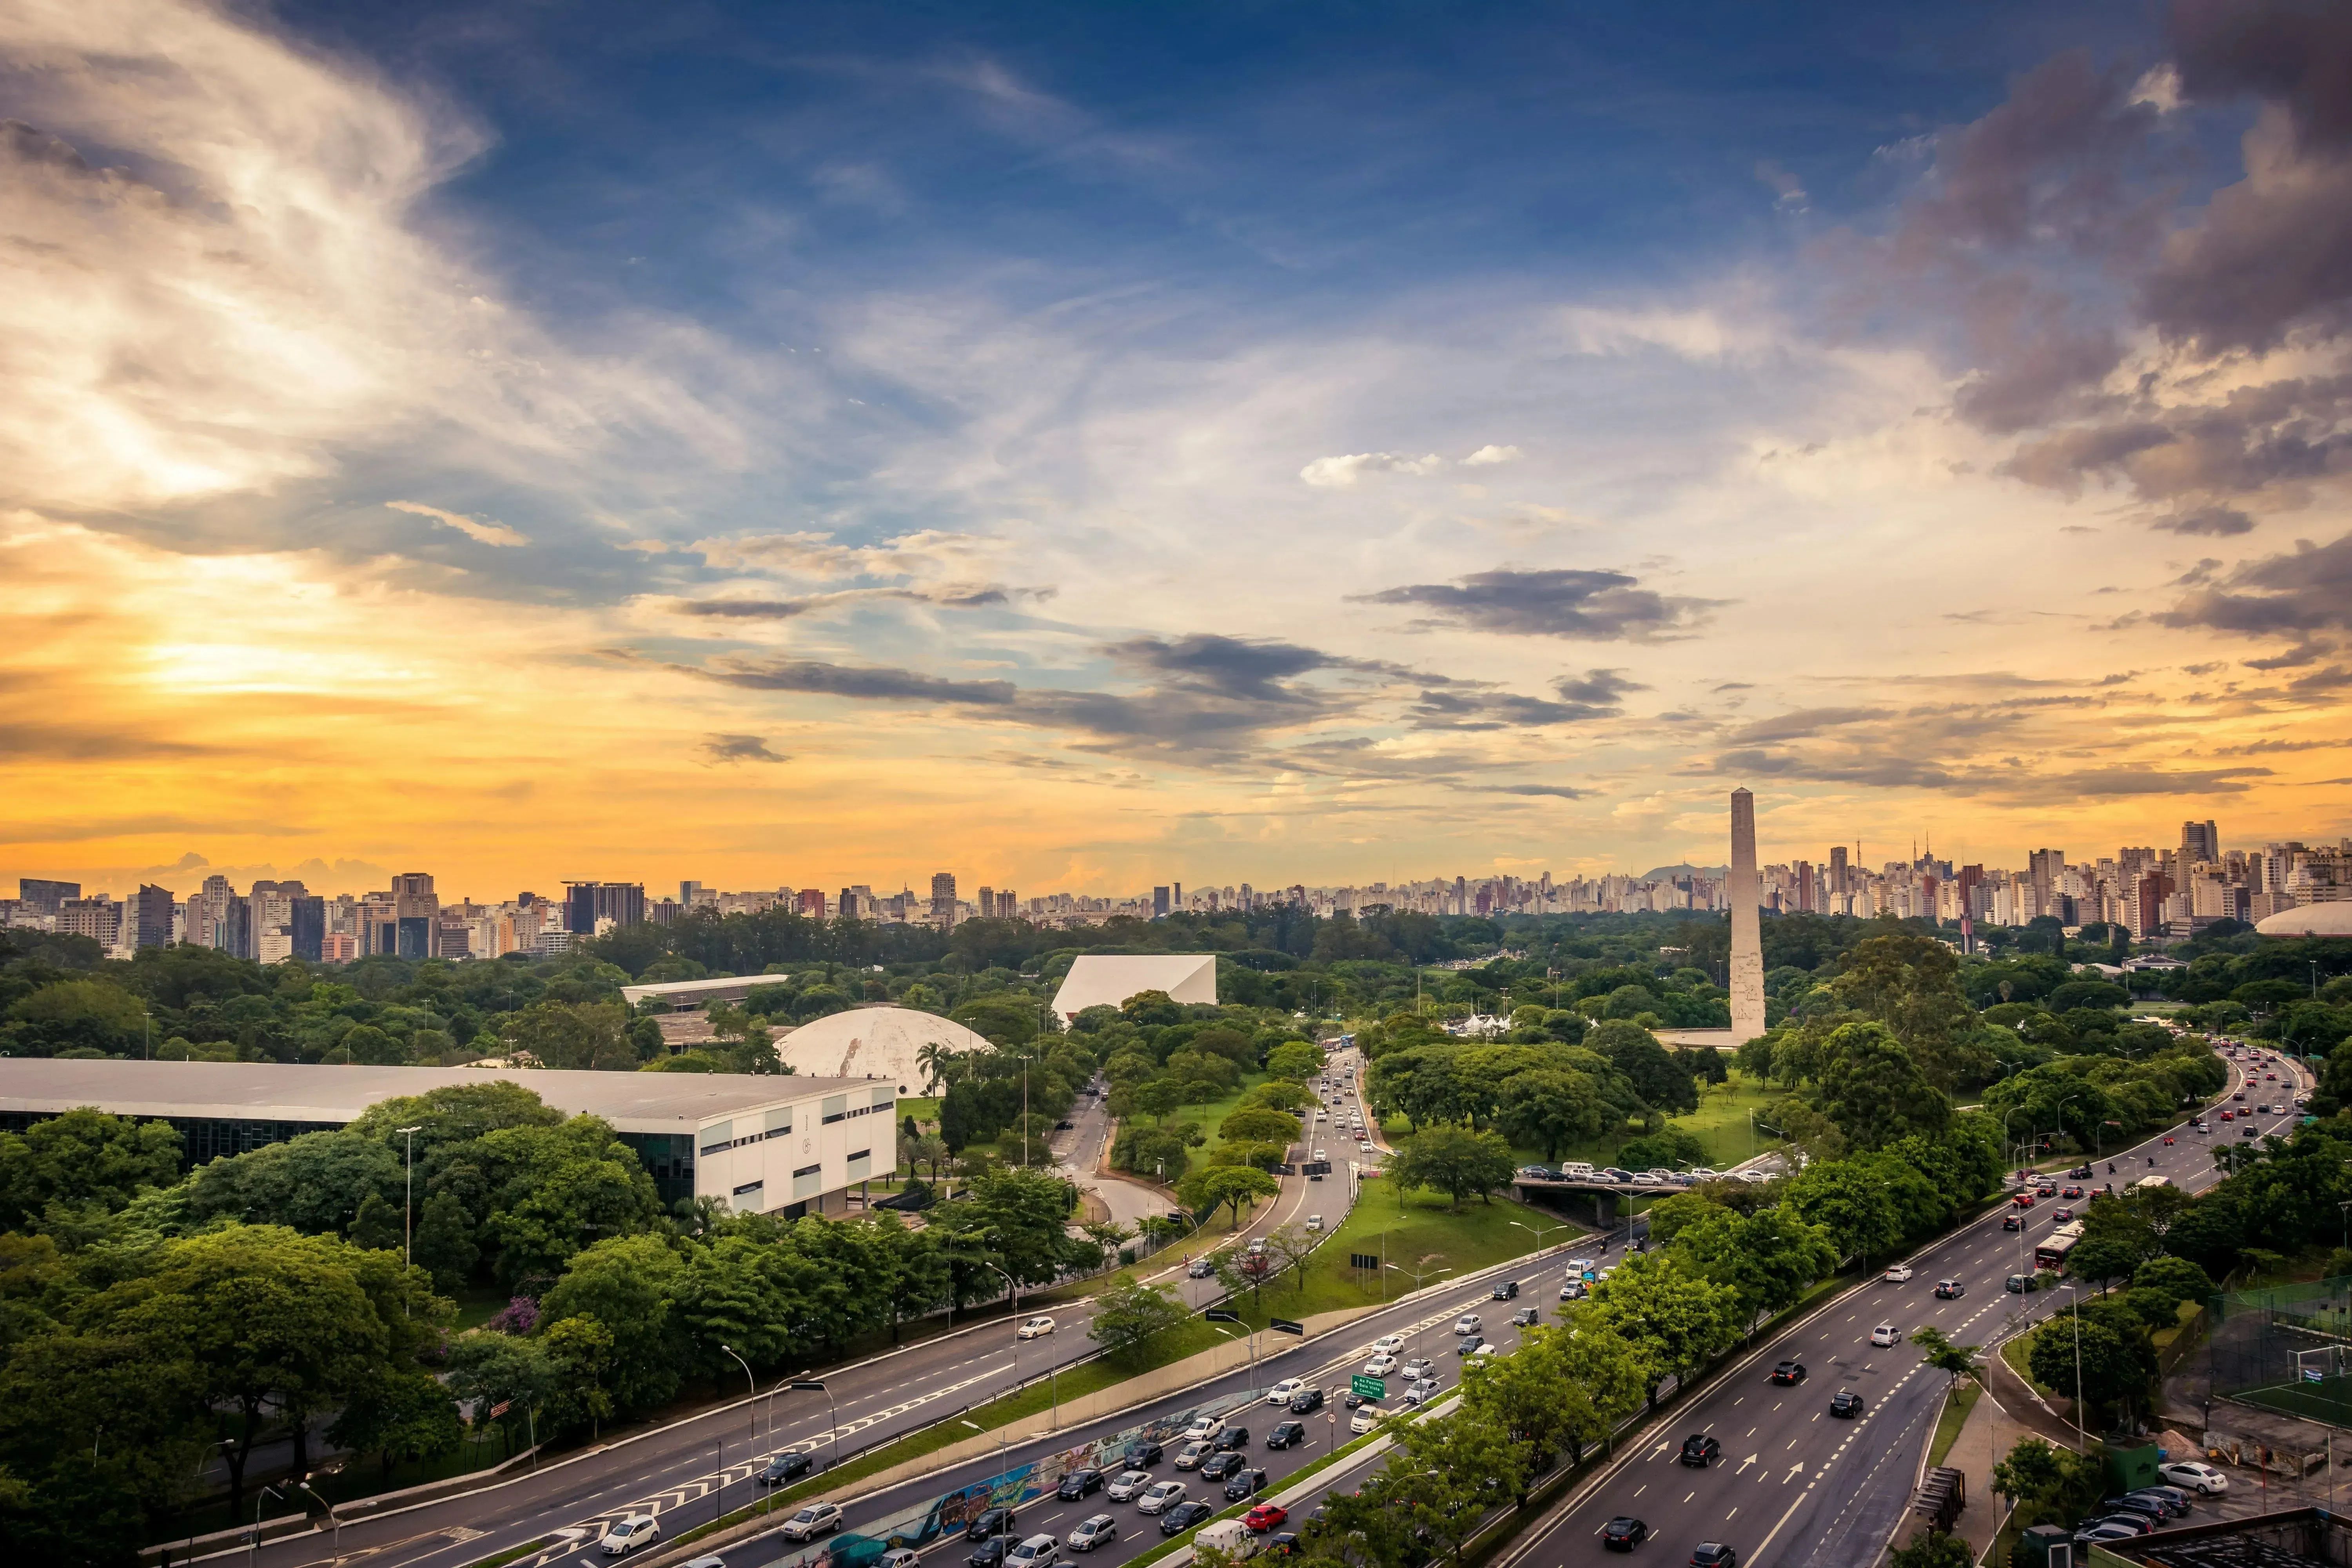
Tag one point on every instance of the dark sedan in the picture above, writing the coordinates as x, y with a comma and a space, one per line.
1468, 1345
1245, 1483
1788, 1372
1305, 1400
989, 1522
1078, 1484
989, 1554
1143, 1454
1286, 1433
1217, 1467
1184, 1516
1845, 1404
1232, 1438
784, 1467
1623, 1533
1699, 1450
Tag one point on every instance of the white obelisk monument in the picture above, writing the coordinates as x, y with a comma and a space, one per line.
1747, 938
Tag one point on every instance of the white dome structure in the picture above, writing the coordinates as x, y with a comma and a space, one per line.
875, 1042
2331, 919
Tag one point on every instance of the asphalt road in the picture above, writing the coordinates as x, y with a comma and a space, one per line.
1798, 1487
681, 1467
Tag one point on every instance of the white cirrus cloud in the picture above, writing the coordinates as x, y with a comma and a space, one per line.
480, 533
1491, 454
1342, 472
929, 555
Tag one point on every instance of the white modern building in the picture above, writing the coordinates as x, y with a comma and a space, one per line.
800, 1145
884, 1043
1107, 979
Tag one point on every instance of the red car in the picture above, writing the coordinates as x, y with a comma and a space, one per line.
1265, 1516
2022, 1200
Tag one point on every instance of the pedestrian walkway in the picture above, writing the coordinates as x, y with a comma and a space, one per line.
1985, 1439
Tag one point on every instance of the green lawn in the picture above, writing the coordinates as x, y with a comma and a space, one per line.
1962, 1400
1423, 1235
1216, 1110
1720, 1123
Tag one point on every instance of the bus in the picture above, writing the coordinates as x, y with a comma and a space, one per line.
2050, 1251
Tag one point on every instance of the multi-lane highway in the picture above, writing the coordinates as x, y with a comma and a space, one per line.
681, 1467
1797, 1486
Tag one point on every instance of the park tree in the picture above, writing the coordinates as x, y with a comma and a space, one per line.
2116, 1365
1295, 1059
1955, 1362
1130, 1314
1767, 1259
1237, 1187
2045, 1484
1872, 1087
1911, 984
1553, 1109
1453, 1161
1445, 1473
625, 1283
1260, 1124
1663, 1083
578, 1036
83, 1157
1936, 1549
1678, 1318
1293, 1247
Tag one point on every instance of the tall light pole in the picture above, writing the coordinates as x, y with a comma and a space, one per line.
408, 1198
253, 1542
833, 1415
755, 1393
1539, 1232
2076, 1305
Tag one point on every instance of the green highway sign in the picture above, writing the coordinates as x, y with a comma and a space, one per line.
1284, 1326
1370, 1387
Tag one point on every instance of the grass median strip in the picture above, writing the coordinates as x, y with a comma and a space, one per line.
1963, 1399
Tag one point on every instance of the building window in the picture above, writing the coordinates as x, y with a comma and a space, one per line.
835, 1108
807, 1180
716, 1136
750, 1196
861, 1165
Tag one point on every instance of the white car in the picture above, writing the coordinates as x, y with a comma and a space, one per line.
1484, 1352
1315, 1221
1388, 1344
1322, 1155
1162, 1496
1885, 1334
1282, 1393
1363, 1146
1420, 1367
1203, 1428
814, 1520
1037, 1551
1899, 1271
1705, 1174
2190, 1475
1093, 1532
1127, 1485
1036, 1328
1380, 1365
628, 1534
1366, 1416
1467, 1323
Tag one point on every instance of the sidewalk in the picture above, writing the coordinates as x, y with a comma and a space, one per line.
1985, 1439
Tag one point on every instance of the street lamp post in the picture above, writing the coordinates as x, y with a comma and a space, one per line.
334, 1520
2075, 1305
408, 1199
833, 1415
253, 1542
1539, 1232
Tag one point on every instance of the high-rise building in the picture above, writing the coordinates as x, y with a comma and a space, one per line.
985, 902
151, 916
1008, 904
586, 903
1801, 875
1159, 903
99, 917
43, 897
305, 927
2200, 841
811, 902
1838, 871
943, 900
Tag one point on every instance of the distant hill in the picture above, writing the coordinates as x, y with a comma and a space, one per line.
1667, 873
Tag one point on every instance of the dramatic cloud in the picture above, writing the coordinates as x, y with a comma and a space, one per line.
2308, 589
1460, 705
866, 682
494, 533
1488, 455
740, 749
1595, 605
1341, 473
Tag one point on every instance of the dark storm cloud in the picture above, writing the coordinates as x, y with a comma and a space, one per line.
1594, 606
1597, 694
2217, 520
2306, 589
1230, 667
740, 749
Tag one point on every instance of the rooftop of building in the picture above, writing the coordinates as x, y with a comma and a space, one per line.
276, 1091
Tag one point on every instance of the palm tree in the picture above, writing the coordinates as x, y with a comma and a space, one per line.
938, 1063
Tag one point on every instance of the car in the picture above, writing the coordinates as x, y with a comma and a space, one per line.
2097, 1534
1623, 1533
1845, 1403
1470, 1346
1539, 1172
2012, 1222
1281, 1393
1204, 1426
989, 1554
2070, 1192
1079, 1484
1647, 1179
1898, 1273
1258, 1247
896, 1557
1364, 1146
2022, 1200
1160, 1496
1950, 1289
1387, 1344
1036, 1328
1379, 1365
814, 1520
713, 1560
1286, 1433
2239, 1096
1526, 1318
1265, 1516
1305, 1402
2193, 1476
1573, 1290
1217, 1467
1419, 1394
1699, 1450
988, 1522
2175, 1500
1230, 1439
1885, 1334
2138, 1524
2080, 1173
1367, 1416
2019, 1283
1713, 1554
1142, 1453
1420, 1367
786, 1466
2250, 1131
1485, 1352
1037, 1551
1467, 1323
1093, 1532
2063, 1215
1127, 1486
2145, 1507
1189, 1456
1508, 1290
629, 1533
2229, 1115
1243, 1482
1788, 1372
1184, 1516
1200, 1269
1705, 1174
1614, 1173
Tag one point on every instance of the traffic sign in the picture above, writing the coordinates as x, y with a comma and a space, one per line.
1370, 1387
1363, 1260
1218, 1315
1284, 1326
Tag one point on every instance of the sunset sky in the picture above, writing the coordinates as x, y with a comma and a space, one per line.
1085, 446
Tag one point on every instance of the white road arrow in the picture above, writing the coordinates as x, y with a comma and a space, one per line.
1656, 1451
1794, 1471
1745, 1463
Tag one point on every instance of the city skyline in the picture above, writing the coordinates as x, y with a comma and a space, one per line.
830, 447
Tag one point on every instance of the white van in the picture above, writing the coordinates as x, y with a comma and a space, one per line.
1577, 1170
1232, 1537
